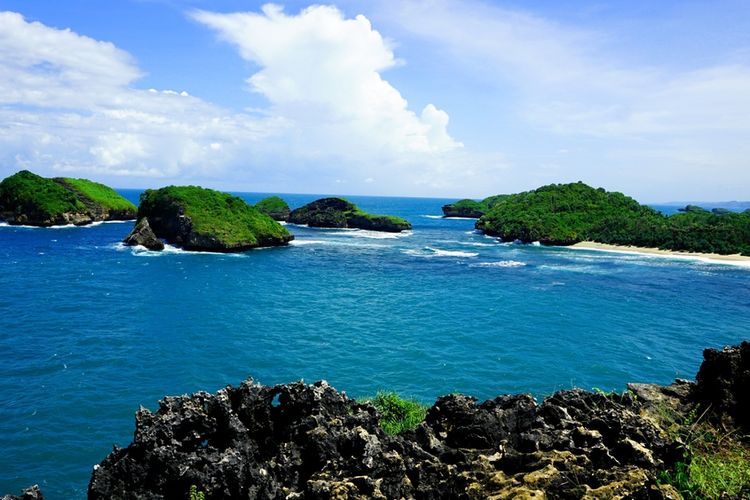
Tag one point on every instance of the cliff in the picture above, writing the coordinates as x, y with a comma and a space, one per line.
310, 441
29, 199
202, 219
340, 213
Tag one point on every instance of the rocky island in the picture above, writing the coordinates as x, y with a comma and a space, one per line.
340, 213
274, 207
196, 218
29, 199
310, 441
472, 209
566, 214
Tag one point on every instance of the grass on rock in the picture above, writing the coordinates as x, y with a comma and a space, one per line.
99, 193
396, 413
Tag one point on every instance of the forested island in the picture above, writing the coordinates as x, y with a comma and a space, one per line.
472, 209
340, 213
565, 214
29, 199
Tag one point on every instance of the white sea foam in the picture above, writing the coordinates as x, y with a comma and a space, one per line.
429, 252
433, 216
459, 218
300, 243
501, 263
333, 242
141, 251
375, 235
467, 243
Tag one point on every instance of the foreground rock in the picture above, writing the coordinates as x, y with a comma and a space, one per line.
143, 235
471, 209
28, 199
274, 207
201, 219
340, 213
32, 493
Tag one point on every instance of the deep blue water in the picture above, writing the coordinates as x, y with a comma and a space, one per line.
89, 330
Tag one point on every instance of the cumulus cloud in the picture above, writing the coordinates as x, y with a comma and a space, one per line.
67, 104
323, 71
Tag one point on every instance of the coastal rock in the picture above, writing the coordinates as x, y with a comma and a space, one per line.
143, 235
723, 384
201, 219
340, 213
274, 207
310, 441
29, 199
31, 493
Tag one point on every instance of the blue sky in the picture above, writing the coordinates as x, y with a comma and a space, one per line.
424, 98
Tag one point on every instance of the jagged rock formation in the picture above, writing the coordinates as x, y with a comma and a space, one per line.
340, 213
31, 493
723, 385
206, 220
29, 199
143, 235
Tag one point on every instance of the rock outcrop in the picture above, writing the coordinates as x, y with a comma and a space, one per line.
31, 493
340, 213
29, 199
310, 441
143, 235
274, 207
201, 219
723, 385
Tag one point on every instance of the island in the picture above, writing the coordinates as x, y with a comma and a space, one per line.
29, 199
568, 214
274, 207
196, 218
311, 441
340, 213
471, 209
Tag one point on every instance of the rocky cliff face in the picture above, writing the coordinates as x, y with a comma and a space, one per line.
143, 235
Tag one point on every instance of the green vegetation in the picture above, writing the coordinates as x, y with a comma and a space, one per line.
397, 414
715, 464
472, 208
99, 193
338, 212
564, 214
195, 494
28, 193
214, 215
274, 207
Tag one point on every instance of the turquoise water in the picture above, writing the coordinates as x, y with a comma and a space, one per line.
89, 330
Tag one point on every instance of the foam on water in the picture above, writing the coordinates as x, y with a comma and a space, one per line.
500, 263
650, 256
433, 216
430, 252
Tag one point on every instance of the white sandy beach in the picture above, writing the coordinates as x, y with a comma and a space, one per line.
734, 259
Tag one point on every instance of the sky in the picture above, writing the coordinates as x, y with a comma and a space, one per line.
436, 98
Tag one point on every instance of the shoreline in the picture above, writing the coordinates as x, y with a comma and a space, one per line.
713, 258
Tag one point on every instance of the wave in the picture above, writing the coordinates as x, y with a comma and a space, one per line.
67, 226
500, 263
333, 242
459, 218
467, 243
141, 251
433, 216
429, 252
635, 256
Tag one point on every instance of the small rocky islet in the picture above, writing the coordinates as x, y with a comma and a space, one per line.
32, 200
471, 209
341, 213
274, 207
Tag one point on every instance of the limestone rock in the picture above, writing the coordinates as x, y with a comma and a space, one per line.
143, 235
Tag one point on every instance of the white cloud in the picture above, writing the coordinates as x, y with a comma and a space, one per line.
323, 72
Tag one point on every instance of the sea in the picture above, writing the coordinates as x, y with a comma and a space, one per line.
91, 330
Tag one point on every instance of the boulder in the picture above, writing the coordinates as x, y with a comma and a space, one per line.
143, 235
31, 493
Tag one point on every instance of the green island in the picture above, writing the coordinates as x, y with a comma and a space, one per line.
472, 209
202, 219
274, 207
340, 213
30, 199
565, 214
